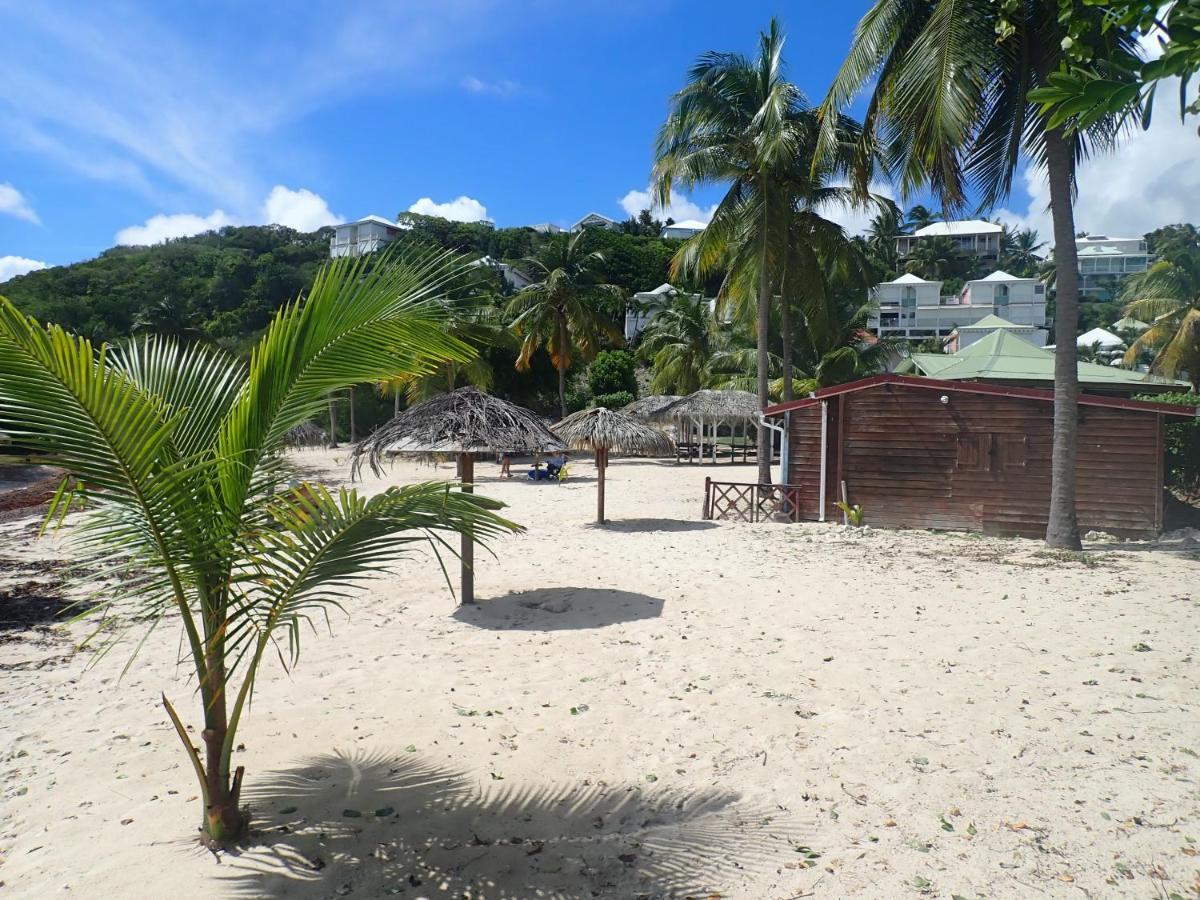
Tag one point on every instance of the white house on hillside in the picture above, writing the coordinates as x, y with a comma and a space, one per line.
514, 278
972, 236
595, 220
1104, 262
683, 230
546, 228
647, 304
913, 308
362, 236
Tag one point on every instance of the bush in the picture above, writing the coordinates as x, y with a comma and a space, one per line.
611, 373
615, 400
1182, 443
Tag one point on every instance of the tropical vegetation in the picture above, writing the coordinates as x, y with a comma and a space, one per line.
1167, 297
192, 512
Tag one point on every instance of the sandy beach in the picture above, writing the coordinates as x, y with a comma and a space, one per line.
660, 707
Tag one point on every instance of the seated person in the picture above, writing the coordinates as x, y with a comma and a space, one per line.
554, 465
537, 473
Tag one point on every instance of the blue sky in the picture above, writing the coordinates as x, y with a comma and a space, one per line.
137, 121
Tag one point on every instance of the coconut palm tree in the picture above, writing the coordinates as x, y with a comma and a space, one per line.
568, 310
920, 216
881, 236
949, 84
677, 343
936, 259
1019, 252
1167, 295
739, 122
191, 511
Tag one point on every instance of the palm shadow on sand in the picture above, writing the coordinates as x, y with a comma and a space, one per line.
638, 526
374, 824
560, 609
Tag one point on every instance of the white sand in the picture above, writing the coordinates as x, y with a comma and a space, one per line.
929, 713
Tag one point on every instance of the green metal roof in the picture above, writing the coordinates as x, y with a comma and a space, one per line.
1002, 356
993, 321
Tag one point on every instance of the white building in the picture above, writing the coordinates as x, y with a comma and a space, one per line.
647, 304
363, 236
683, 230
972, 236
913, 308
595, 220
966, 335
1104, 262
513, 277
546, 228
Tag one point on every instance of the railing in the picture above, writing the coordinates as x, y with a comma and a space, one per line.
742, 501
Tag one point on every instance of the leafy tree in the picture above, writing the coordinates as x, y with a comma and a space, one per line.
565, 310
177, 451
171, 318
1090, 86
613, 371
1182, 443
881, 237
949, 85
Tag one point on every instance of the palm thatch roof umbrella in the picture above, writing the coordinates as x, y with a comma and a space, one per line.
601, 430
646, 408
708, 409
463, 422
306, 434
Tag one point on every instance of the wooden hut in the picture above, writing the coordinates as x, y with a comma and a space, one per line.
927, 453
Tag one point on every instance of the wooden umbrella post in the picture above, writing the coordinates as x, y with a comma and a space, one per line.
466, 467
601, 465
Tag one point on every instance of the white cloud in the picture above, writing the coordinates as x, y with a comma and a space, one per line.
12, 266
13, 203
1152, 179
501, 88
301, 209
460, 209
679, 209
161, 228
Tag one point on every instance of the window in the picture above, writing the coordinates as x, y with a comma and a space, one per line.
975, 452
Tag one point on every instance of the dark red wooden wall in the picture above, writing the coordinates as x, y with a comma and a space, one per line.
978, 462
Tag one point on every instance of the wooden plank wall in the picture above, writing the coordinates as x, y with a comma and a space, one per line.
979, 462
804, 458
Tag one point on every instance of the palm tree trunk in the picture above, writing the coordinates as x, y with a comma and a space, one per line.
562, 367
1062, 531
785, 326
332, 422
224, 822
762, 330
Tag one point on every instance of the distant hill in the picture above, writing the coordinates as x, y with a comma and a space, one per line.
226, 284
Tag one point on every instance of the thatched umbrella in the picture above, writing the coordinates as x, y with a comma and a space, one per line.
601, 430
646, 408
306, 434
463, 422
712, 408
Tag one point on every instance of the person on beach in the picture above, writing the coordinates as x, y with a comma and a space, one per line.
505, 464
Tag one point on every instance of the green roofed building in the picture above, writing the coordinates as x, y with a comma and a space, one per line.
1004, 358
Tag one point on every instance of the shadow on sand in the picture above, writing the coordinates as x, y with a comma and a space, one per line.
560, 609
374, 825
646, 525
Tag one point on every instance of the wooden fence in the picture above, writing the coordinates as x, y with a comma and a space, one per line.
742, 501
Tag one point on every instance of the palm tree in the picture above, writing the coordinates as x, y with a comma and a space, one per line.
1167, 295
936, 259
565, 310
678, 343
949, 98
739, 122
1019, 252
881, 236
920, 216
178, 452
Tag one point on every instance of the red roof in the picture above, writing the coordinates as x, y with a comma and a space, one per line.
970, 387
